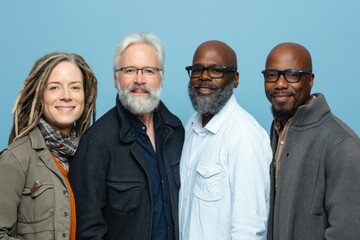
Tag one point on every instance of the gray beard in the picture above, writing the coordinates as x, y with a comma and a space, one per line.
142, 104
212, 104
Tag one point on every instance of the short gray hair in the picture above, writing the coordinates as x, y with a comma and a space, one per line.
136, 38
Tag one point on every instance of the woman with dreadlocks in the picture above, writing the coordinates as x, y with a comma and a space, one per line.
53, 109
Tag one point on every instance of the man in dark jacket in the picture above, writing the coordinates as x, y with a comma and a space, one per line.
125, 175
315, 191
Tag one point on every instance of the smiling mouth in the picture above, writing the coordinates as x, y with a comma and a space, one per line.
139, 91
65, 108
205, 89
281, 97
205, 86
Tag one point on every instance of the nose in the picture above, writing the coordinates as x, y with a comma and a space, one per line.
65, 95
281, 83
139, 77
205, 75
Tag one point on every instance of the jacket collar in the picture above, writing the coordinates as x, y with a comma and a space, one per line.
127, 134
312, 112
38, 144
37, 139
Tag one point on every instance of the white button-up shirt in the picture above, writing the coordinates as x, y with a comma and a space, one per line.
224, 172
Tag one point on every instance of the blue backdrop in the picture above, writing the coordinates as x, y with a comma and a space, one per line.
328, 28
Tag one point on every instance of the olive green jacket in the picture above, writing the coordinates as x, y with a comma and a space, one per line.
34, 202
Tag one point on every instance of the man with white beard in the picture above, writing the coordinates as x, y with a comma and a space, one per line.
125, 175
224, 165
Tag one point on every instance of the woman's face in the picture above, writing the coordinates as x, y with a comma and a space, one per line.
64, 97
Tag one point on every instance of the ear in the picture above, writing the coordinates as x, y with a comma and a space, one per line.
236, 79
311, 80
115, 80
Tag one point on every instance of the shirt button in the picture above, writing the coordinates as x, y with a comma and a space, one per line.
66, 214
64, 235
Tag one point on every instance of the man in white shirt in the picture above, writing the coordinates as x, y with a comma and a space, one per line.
224, 167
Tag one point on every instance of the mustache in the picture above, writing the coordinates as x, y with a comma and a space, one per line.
141, 87
205, 85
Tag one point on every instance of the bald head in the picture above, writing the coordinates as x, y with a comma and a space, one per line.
224, 51
292, 53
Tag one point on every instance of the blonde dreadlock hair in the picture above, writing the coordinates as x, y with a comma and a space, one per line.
28, 107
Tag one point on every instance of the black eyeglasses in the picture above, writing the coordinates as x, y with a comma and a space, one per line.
290, 75
132, 71
213, 71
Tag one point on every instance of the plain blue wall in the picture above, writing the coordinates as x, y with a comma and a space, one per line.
329, 29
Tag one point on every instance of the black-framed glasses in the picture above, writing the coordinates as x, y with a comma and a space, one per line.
132, 71
290, 75
213, 71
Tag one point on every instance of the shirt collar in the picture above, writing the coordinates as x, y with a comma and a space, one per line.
217, 120
139, 126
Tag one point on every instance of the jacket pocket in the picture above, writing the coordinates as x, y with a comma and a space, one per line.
36, 206
124, 196
208, 182
38, 230
318, 212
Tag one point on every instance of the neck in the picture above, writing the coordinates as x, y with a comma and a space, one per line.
147, 119
206, 118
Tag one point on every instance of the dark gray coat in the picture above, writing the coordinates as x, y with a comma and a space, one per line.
318, 193
110, 181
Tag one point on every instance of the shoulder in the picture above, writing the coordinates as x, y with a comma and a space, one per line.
20, 152
104, 125
339, 138
338, 127
27, 145
243, 124
168, 117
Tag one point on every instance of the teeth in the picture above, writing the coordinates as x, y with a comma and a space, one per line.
65, 108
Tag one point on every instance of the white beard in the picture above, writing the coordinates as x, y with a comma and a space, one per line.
139, 105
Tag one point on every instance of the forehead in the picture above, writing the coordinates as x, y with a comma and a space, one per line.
65, 71
211, 54
287, 58
140, 54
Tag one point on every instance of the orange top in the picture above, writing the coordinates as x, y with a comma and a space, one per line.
72, 200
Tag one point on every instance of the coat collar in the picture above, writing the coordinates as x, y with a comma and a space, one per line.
127, 134
38, 144
311, 113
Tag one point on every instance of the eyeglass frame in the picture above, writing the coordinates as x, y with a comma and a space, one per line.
224, 69
283, 72
139, 69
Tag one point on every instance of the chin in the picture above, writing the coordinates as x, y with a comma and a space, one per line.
282, 112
